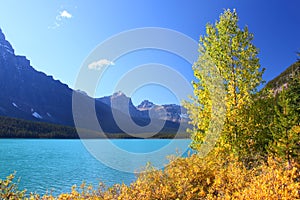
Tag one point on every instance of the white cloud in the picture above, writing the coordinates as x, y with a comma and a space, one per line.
60, 18
65, 14
98, 65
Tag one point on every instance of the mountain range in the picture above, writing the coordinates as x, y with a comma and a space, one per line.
35, 96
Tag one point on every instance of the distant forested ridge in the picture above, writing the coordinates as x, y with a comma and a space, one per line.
18, 128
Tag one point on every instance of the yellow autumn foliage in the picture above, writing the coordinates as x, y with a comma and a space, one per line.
213, 177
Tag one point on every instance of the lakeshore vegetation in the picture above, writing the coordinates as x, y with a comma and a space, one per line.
256, 152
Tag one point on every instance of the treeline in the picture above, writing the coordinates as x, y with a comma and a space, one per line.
18, 128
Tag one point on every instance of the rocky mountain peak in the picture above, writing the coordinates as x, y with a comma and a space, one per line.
5, 45
2, 37
118, 95
146, 104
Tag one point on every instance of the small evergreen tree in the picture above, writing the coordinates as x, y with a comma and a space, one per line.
286, 125
260, 117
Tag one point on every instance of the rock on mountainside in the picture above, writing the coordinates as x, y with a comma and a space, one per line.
28, 94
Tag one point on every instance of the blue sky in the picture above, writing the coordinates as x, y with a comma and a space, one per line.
57, 36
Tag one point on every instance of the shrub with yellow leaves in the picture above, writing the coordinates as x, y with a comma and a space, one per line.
212, 177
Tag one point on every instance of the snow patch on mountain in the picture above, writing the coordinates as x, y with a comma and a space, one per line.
37, 115
14, 104
7, 48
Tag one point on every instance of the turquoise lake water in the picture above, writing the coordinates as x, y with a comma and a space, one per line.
55, 165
